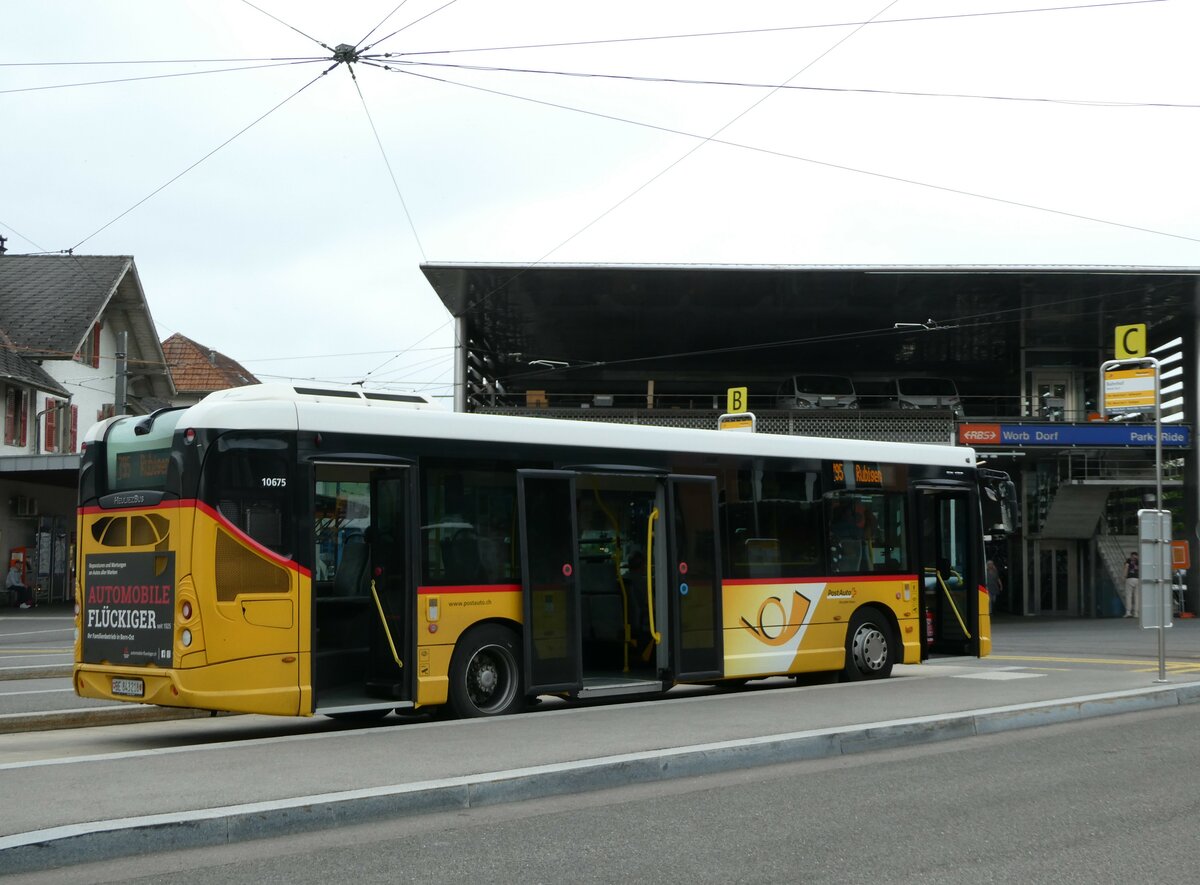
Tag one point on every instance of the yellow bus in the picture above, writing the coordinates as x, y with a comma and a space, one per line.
318, 550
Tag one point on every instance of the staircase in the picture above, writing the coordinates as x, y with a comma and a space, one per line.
1113, 551
1074, 512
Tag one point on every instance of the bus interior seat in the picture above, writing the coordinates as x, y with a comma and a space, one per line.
264, 523
350, 578
231, 511
600, 598
461, 560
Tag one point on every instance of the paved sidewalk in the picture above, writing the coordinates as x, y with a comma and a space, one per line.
234, 778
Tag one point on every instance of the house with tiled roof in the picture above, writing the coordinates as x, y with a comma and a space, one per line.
198, 370
71, 327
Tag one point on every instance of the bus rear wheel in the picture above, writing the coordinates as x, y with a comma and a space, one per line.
485, 678
870, 650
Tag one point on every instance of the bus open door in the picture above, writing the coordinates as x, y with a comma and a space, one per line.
951, 573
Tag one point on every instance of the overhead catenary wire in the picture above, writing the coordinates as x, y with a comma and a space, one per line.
387, 163
825, 163
9, 227
227, 141
175, 75
691, 135
367, 36
704, 140
410, 24
1101, 103
321, 356
286, 25
156, 61
809, 27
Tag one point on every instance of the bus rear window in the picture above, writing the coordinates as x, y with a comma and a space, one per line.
138, 451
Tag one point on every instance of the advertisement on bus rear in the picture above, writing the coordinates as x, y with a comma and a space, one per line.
129, 604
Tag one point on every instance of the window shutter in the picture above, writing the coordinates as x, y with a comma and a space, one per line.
74, 428
23, 399
96, 346
51, 425
10, 416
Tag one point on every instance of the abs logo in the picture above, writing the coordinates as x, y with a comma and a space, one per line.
979, 434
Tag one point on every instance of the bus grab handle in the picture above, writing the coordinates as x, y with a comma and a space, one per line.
953, 607
386, 630
650, 573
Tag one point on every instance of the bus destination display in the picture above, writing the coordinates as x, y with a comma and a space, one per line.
145, 469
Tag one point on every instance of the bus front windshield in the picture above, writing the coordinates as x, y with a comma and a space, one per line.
138, 450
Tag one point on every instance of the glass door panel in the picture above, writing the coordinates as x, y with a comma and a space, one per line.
550, 564
694, 579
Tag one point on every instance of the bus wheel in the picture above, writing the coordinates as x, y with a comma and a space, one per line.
869, 647
485, 679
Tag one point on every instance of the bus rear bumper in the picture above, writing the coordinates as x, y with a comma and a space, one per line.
172, 688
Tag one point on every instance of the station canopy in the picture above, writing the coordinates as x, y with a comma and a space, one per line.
578, 329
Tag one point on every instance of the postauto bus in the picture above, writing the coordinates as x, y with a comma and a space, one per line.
313, 550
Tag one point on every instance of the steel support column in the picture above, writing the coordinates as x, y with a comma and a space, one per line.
460, 364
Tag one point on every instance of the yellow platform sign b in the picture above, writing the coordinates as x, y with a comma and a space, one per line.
1131, 341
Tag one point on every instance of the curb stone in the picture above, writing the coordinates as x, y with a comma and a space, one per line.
107, 839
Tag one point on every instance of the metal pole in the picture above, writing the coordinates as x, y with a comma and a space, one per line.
1163, 600
119, 395
1164, 552
460, 363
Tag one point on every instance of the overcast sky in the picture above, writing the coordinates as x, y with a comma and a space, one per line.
1058, 136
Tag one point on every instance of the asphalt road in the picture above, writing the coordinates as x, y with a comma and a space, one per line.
1113, 799
36, 655
36, 642
266, 776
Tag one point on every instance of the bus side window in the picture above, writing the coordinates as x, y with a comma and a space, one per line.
777, 532
246, 481
468, 519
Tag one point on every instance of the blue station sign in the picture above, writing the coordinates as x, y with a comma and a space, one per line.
1107, 434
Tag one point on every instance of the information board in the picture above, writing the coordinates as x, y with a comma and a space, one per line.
1154, 567
1130, 389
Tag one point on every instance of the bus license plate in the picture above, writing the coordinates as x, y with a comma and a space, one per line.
130, 688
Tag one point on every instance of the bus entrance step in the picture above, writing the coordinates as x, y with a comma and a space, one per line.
614, 686
385, 689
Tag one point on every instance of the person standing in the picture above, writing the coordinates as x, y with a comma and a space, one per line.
994, 585
14, 583
1130, 597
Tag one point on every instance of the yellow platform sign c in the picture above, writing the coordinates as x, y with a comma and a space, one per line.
1131, 341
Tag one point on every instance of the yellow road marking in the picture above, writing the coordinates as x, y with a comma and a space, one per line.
1172, 666
1057, 660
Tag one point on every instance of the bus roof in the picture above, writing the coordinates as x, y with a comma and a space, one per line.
342, 414
322, 393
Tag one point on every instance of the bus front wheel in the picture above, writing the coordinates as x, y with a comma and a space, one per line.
870, 650
485, 678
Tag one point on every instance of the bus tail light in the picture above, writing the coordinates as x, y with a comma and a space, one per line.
186, 610
189, 436
186, 638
